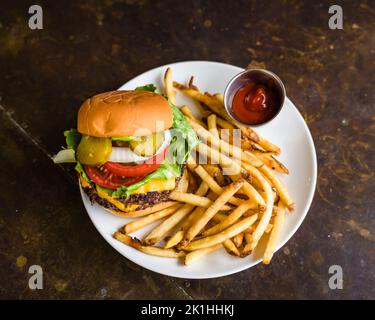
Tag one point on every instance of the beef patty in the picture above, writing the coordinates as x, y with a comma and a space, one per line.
143, 200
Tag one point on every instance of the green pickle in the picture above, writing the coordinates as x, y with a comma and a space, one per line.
94, 151
147, 145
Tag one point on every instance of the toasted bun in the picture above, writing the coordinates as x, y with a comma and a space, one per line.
124, 113
140, 213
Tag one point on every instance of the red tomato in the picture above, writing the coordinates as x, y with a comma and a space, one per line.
138, 170
109, 180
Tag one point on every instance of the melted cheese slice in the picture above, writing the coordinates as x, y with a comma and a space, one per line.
122, 206
157, 185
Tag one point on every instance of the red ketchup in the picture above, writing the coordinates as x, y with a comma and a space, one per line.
255, 103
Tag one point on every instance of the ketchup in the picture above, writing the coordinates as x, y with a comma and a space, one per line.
255, 103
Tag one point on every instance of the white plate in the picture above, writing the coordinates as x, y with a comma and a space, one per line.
288, 130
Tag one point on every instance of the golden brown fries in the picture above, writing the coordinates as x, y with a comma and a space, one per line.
230, 219
168, 83
212, 210
238, 239
281, 190
183, 185
194, 199
174, 240
160, 231
222, 236
212, 127
152, 250
275, 234
231, 248
144, 221
214, 186
273, 163
187, 112
221, 144
197, 254
229, 195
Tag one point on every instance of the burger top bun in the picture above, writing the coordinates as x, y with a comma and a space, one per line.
124, 113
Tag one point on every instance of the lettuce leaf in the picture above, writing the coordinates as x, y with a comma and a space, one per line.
72, 138
147, 87
165, 171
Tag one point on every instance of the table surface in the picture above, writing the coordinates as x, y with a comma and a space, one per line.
88, 47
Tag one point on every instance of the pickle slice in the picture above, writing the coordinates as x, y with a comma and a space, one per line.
94, 151
147, 146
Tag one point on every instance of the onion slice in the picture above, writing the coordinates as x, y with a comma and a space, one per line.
126, 155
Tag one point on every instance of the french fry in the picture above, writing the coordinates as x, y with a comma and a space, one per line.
212, 169
281, 190
168, 84
211, 124
183, 184
194, 200
218, 158
218, 217
238, 239
187, 112
175, 239
223, 235
189, 220
265, 219
231, 248
195, 255
275, 234
154, 251
252, 193
269, 228
159, 232
273, 163
214, 186
223, 145
212, 210
231, 219
248, 237
191, 164
144, 221
219, 98
224, 123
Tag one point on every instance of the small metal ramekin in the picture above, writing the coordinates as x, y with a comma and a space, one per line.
258, 76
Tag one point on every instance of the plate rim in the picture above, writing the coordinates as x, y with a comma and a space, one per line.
218, 274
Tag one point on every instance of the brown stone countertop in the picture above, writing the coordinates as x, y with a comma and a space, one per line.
88, 47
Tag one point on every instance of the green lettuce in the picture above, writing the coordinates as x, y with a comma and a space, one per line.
147, 87
73, 138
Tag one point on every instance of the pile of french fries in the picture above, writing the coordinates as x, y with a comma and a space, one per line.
230, 200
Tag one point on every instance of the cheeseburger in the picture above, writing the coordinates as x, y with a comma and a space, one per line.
129, 148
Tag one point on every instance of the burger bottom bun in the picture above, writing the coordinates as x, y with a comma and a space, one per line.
144, 212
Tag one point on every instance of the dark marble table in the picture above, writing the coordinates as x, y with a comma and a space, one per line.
92, 46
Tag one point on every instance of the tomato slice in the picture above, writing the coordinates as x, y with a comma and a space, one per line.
109, 180
138, 170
